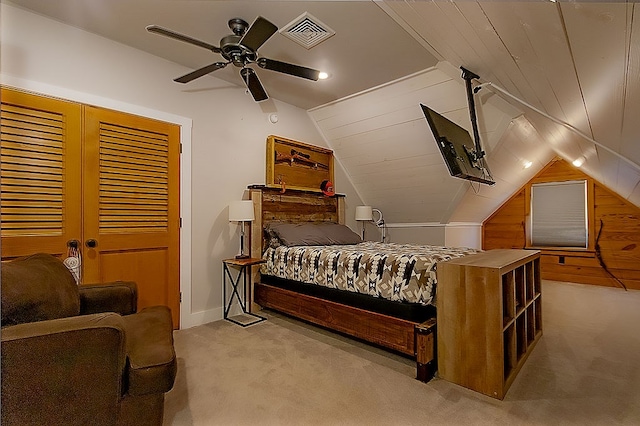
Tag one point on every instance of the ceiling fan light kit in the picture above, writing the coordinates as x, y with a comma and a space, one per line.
241, 50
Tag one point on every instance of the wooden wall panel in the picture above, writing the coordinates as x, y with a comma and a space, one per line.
505, 229
618, 225
614, 233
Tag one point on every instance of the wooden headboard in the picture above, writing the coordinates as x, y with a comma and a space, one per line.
271, 205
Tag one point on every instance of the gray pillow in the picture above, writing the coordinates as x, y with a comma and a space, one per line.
314, 234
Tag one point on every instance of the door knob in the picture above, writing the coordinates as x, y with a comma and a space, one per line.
74, 244
91, 243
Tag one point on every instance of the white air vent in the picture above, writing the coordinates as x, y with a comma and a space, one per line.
307, 30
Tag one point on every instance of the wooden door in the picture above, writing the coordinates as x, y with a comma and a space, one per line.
40, 166
131, 205
70, 171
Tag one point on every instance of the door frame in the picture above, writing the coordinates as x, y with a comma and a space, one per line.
187, 319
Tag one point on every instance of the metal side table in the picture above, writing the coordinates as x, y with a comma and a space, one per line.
246, 318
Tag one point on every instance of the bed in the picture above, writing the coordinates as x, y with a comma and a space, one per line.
318, 270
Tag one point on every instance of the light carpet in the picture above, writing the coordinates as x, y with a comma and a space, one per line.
584, 371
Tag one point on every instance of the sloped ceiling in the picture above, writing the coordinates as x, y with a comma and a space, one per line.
576, 62
569, 70
382, 139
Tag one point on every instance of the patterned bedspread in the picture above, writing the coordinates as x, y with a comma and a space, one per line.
399, 272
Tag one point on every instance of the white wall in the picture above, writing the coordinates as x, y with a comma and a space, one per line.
463, 235
437, 234
226, 150
430, 234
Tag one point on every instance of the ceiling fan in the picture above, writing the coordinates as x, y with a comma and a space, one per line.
241, 50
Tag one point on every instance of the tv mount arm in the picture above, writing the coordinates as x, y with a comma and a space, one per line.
477, 153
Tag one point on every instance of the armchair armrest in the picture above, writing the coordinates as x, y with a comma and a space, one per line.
67, 371
120, 297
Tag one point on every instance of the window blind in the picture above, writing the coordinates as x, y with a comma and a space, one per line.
559, 214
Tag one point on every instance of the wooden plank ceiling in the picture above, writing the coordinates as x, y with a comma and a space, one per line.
382, 139
578, 62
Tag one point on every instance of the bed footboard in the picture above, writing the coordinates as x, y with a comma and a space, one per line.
407, 337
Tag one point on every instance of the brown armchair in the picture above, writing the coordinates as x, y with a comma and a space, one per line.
80, 355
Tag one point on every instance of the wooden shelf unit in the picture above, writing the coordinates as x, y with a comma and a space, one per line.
489, 308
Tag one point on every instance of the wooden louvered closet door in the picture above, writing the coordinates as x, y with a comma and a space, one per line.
131, 188
79, 172
40, 169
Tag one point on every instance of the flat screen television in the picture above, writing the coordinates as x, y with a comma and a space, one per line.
457, 149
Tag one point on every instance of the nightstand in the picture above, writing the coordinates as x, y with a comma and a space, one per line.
245, 318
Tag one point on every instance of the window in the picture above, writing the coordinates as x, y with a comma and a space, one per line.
559, 214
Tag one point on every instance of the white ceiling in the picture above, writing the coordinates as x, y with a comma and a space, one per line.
577, 62
365, 40
382, 138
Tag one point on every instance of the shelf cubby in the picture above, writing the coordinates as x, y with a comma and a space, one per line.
529, 283
520, 288
510, 358
536, 276
508, 298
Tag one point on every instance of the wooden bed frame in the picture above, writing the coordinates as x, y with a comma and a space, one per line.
410, 338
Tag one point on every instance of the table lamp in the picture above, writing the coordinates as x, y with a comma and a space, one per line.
365, 214
241, 211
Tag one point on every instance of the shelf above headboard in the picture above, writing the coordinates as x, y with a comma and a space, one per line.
297, 165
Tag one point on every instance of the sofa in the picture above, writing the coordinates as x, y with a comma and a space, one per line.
80, 355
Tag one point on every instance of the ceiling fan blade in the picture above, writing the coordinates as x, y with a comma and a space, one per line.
200, 72
250, 78
258, 33
177, 36
296, 70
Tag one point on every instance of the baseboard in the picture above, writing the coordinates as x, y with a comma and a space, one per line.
202, 317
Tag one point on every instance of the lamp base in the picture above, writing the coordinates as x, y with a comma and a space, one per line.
242, 256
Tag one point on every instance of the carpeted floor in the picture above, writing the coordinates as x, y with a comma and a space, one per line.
584, 371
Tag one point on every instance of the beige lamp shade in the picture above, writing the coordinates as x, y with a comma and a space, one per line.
364, 213
241, 211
